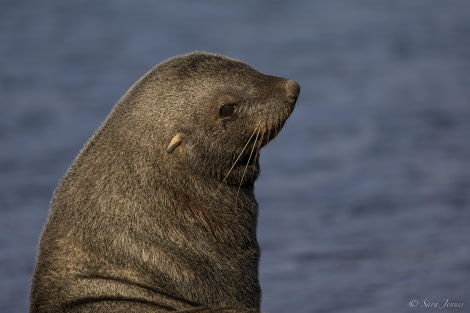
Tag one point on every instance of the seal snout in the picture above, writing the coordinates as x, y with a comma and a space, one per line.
293, 90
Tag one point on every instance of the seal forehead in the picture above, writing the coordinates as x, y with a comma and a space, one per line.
196, 59
206, 64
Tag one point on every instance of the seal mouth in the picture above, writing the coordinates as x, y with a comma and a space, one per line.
272, 132
265, 132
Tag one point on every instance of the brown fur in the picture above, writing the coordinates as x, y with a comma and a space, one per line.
158, 213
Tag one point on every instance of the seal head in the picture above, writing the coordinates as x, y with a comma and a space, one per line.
223, 111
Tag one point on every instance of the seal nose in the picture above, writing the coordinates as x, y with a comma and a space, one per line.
293, 90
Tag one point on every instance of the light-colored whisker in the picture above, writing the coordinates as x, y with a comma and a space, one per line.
255, 131
249, 159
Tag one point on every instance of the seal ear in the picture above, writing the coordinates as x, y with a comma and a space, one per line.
175, 142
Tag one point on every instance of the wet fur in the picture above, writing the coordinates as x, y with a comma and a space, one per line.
158, 213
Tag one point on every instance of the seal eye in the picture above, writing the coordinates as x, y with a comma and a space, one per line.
227, 110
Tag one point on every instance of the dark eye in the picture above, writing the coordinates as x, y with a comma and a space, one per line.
227, 110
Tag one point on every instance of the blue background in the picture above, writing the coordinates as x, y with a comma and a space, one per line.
364, 196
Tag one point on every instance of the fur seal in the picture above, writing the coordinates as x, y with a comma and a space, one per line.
157, 213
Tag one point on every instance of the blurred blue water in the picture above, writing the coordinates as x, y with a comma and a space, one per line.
365, 195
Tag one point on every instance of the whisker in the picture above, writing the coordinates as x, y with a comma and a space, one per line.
239, 156
249, 159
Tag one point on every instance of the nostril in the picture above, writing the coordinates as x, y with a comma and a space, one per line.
293, 89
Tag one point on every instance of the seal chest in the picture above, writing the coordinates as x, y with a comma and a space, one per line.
158, 213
